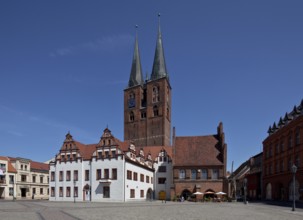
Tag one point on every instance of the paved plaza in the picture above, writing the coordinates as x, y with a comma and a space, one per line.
32, 210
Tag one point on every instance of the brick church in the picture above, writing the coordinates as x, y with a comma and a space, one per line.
199, 162
151, 162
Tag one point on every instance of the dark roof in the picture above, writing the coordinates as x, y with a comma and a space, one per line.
136, 77
159, 65
197, 151
288, 117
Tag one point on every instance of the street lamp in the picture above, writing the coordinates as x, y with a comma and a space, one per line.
74, 191
294, 170
245, 186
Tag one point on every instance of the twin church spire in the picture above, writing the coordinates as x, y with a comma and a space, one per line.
159, 66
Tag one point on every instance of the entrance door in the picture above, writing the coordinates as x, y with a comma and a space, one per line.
86, 195
23, 192
2, 193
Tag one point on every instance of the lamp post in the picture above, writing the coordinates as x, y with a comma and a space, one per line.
165, 191
294, 170
245, 187
74, 191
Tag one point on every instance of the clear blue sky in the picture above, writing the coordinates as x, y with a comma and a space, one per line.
64, 65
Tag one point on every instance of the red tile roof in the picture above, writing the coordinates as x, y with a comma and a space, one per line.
197, 151
39, 166
10, 168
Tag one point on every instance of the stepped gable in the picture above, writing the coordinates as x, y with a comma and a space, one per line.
155, 150
288, 117
197, 150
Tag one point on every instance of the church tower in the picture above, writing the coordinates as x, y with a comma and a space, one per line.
147, 104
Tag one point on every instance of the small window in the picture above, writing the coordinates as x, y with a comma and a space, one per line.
135, 176
143, 114
297, 138
67, 191
52, 191
114, 174
86, 175
132, 193
204, 174
98, 174
161, 180
156, 110
193, 174
182, 174
131, 116
162, 169
106, 173
142, 177
155, 97
215, 175
76, 175
106, 192
142, 193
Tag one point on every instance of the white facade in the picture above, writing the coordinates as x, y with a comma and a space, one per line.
105, 172
7, 180
163, 176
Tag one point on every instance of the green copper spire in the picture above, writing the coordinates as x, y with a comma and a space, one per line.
136, 77
159, 66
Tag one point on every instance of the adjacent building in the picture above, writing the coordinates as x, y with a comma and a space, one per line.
282, 149
23, 178
248, 176
7, 179
199, 164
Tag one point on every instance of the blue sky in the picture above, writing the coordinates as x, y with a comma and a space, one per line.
64, 65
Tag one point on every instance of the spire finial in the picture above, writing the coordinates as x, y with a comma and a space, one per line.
136, 26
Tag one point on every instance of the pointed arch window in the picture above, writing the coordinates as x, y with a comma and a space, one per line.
155, 94
156, 110
131, 116
131, 100
297, 137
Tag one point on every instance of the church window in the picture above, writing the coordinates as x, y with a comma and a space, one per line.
131, 100
182, 174
155, 94
143, 114
297, 161
131, 116
156, 110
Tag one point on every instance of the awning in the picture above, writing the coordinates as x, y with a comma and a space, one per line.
105, 181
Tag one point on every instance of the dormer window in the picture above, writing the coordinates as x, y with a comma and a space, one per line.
155, 97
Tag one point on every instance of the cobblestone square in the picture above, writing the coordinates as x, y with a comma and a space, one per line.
45, 210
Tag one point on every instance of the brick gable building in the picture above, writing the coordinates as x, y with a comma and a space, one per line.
282, 149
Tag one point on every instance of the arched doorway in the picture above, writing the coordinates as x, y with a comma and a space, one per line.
185, 194
291, 191
149, 194
86, 193
268, 191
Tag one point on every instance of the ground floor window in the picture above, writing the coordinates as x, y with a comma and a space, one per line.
75, 191
53, 192
67, 191
61, 191
11, 191
132, 193
106, 192
41, 191
142, 193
